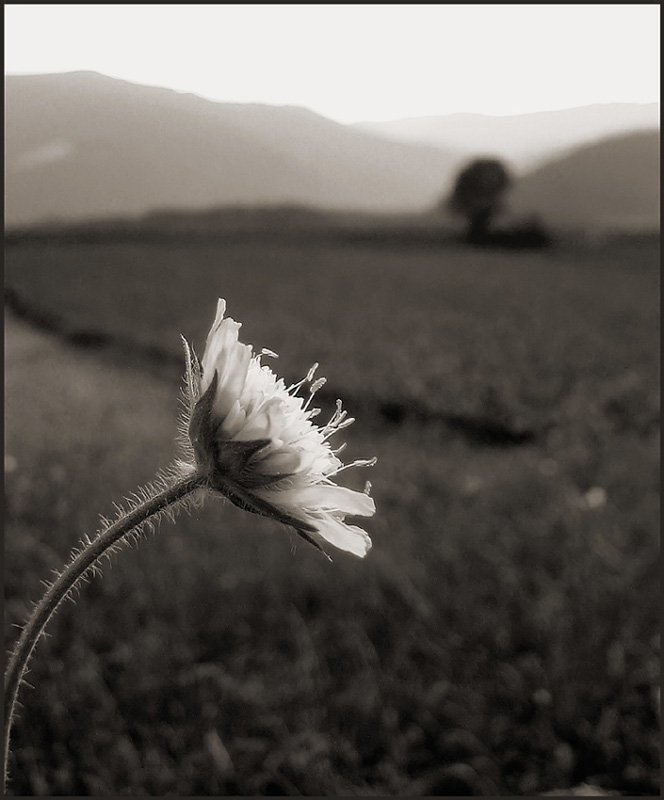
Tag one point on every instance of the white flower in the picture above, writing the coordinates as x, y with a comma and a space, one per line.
254, 439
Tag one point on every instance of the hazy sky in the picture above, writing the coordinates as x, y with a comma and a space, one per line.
355, 62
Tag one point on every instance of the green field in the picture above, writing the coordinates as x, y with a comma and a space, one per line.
502, 637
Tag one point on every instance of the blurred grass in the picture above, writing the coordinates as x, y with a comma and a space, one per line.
432, 325
502, 636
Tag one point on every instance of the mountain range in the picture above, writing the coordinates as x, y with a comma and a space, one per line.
524, 140
610, 184
81, 145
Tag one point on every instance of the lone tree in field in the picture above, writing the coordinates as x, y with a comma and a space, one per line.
477, 195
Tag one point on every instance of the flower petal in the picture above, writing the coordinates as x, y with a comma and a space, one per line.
234, 420
329, 497
222, 340
233, 378
345, 537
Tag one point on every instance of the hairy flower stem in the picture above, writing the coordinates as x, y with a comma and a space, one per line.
70, 576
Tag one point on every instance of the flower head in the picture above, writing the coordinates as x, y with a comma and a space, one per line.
254, 439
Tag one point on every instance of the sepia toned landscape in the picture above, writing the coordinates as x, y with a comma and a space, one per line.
454, 213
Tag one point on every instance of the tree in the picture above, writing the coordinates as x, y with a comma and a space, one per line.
477, 195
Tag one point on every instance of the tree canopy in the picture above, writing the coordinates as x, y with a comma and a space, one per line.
478, 192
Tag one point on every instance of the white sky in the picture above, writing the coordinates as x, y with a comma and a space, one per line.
356, 62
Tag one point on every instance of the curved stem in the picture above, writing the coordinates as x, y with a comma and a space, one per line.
69, 577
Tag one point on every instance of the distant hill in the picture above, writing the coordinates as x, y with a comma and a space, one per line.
525, 140
614, 183
83, 145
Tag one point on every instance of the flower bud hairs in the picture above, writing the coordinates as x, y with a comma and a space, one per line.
246, 436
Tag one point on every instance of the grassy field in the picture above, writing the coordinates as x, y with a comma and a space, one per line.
502, 637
